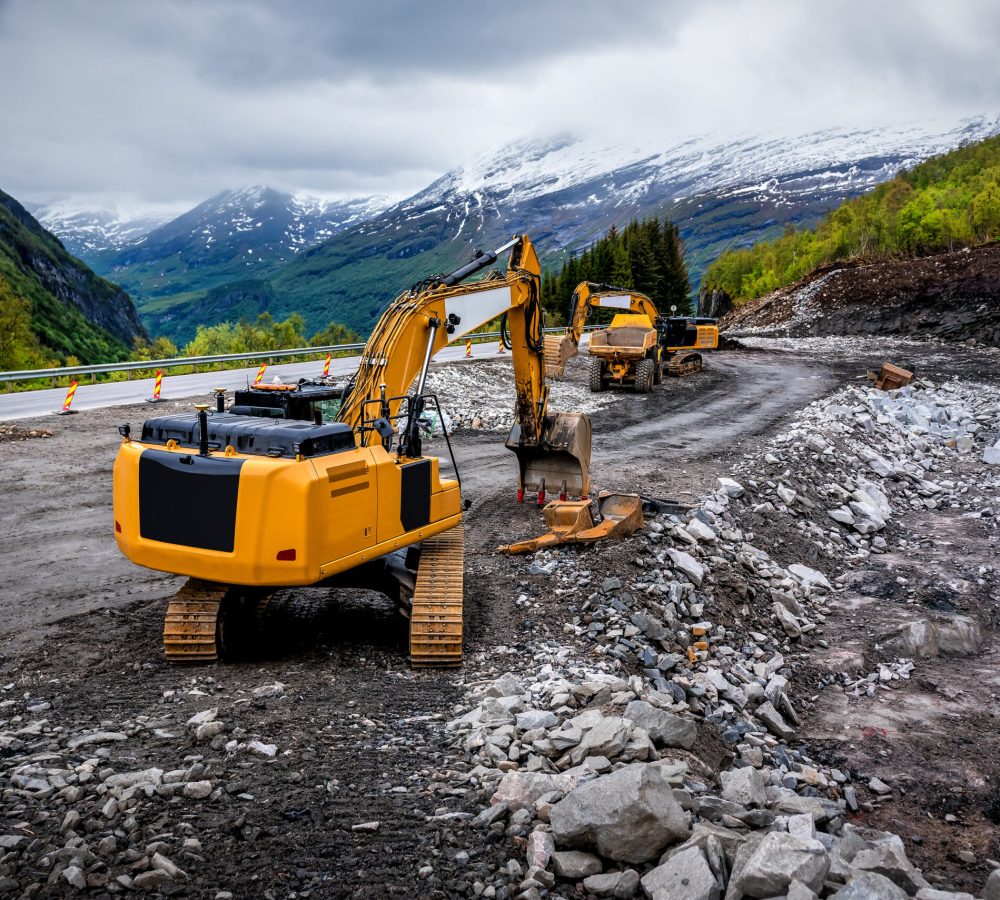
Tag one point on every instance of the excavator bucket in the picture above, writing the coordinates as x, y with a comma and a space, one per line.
558, 349
570, 522
560, 461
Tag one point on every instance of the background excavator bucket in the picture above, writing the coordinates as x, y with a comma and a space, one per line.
560, 461
558, 349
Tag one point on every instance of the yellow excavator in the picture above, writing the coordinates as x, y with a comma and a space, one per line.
639, 345
318, 484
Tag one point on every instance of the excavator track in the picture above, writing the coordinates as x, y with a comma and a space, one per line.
191, 625
436, 607
687, 364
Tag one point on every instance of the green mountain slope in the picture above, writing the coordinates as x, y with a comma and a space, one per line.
51, 305
945, 203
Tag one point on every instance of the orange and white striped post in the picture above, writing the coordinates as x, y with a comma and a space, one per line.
326, 365
468, 349
260, 373
157, 387
66, 411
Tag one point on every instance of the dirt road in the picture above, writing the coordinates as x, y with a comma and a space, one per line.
55, 523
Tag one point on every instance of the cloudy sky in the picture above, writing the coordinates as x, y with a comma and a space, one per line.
169, 101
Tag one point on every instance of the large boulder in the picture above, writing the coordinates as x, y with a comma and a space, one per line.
686, 874
520, 790
664, 729
743, 786
870, 886
630, 815
766, 867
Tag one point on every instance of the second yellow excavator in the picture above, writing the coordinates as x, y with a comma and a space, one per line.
638, 347
301, 485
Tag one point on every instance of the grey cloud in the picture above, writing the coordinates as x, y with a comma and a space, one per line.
178, 99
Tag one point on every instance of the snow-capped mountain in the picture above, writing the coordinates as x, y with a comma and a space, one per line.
234, 237
87, 228
292, 221
565, 193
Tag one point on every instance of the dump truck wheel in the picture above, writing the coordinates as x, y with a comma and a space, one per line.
597, 382
644, 376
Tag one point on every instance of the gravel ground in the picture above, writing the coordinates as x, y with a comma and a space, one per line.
322, 767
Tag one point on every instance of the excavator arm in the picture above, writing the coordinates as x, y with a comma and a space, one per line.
560, 348
552, 449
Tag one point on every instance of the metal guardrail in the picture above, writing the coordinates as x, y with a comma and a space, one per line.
175, 362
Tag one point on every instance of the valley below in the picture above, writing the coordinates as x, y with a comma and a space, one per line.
787, 688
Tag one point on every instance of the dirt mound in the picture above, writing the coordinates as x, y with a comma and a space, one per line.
955, 296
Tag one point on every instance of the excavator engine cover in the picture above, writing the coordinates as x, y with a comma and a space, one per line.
560, 461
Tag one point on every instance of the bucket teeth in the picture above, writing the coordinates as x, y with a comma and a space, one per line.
436, 611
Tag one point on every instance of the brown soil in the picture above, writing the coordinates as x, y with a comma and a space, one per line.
954, 295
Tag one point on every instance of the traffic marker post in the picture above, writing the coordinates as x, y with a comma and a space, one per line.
468, 349
500, 348
157, 387
66, 411
260, 373
326, 365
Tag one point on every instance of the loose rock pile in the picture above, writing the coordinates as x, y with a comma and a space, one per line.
600, 757
480, 395
11, 432
71, 818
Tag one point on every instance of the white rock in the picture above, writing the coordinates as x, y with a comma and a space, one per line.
629, 816
200, 718
275, 689
693, 569
810, 576
730, 488
197, 790
743, 786
685, 875
701, 532
262, 748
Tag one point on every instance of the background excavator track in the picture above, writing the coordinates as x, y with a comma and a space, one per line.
685, 364
436, 609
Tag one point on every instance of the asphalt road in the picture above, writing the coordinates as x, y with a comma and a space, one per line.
30, 404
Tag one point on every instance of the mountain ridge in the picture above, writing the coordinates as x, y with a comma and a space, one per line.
565, 192
68, 309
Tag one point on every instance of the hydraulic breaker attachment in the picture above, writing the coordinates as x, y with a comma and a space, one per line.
564, 518
570, 522
559, 461
558, 349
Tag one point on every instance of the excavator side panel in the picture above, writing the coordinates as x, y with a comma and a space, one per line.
292, 522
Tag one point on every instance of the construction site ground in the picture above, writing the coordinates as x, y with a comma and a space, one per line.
357, 735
